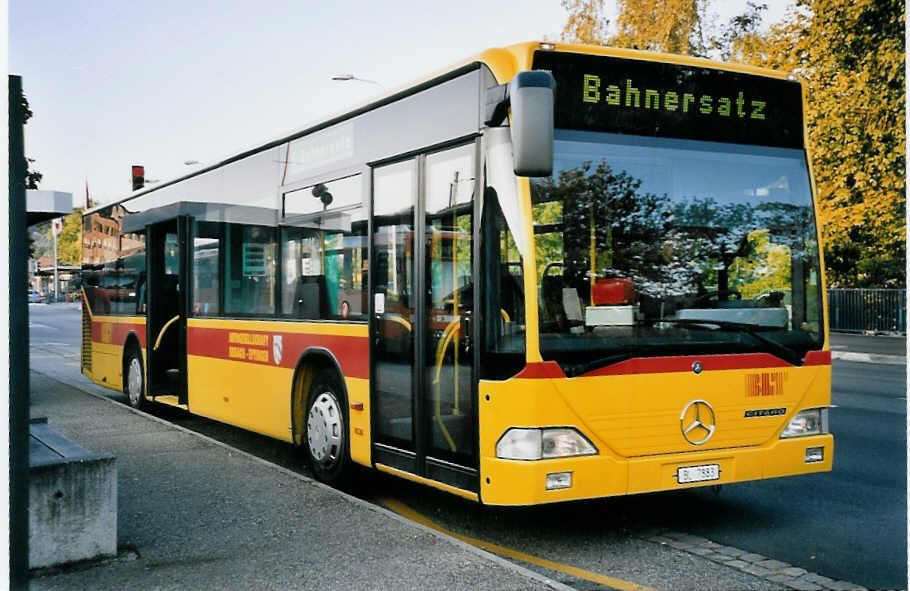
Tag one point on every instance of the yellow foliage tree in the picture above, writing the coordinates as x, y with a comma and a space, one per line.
69, 241
851, 52
585, 23
670, 26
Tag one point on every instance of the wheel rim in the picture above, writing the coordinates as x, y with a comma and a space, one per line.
325, 429
134, 381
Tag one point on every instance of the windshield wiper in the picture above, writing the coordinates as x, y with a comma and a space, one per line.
778, 349
775, 348
583, 368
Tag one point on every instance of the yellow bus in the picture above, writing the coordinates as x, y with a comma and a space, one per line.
550, 272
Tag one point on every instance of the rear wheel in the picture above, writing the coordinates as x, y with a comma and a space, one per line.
134, 379
326, 432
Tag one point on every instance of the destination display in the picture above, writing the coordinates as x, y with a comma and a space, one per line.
621, 95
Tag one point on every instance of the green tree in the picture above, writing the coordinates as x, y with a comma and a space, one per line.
32, 177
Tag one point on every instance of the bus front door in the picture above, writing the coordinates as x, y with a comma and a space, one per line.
424, 397
167, 307
394, 318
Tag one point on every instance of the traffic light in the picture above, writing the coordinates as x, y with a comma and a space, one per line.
138, 177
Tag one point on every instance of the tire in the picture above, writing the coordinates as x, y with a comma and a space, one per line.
325, 435
134, 379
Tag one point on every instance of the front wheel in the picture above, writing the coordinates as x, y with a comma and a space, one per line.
326, 435
134, 384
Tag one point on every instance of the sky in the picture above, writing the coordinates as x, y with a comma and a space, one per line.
162, 82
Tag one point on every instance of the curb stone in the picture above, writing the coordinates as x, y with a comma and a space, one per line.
775, 571
869, 357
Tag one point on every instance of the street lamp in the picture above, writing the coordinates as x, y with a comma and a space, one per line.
346, 77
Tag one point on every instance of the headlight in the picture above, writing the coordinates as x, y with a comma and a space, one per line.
537, 444
519, 444
807, 422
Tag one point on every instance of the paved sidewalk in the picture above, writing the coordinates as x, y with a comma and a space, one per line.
869, 349
195, 514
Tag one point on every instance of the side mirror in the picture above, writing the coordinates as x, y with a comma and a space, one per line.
531, 97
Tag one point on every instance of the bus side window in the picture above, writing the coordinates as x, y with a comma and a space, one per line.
250, 270
324, 273
141, 304
503, 294
324, 243
207, 269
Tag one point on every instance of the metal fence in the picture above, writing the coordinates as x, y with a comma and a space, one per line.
862, 310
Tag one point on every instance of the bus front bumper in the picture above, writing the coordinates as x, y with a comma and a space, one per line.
511, 482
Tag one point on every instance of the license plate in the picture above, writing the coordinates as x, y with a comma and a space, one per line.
702, 473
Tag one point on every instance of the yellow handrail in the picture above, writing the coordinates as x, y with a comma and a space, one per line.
397, 318
447, 336
164, 328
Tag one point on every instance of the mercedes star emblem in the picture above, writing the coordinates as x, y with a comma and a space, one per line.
697, 422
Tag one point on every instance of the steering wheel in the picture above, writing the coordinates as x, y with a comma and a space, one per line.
771, 299
732, 293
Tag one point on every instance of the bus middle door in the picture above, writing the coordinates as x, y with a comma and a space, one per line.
167, 309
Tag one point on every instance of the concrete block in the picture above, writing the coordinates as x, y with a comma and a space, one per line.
72, 501
802, 585
773, 565
701, 551
730, 551
755, 570
817, 579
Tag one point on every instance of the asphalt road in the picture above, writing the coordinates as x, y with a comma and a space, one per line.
880, 345
850, 524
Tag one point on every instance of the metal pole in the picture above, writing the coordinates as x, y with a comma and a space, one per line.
56, 277
18, 343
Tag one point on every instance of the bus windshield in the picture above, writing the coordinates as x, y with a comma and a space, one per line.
649, 246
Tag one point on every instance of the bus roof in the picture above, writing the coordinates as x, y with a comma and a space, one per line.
504, 63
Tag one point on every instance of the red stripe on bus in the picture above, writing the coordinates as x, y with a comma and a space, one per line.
708, 363
551, 369
680, 364
119, 332
258, 347
546, 369
817, 358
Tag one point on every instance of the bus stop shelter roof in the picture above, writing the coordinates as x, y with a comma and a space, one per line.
41, 206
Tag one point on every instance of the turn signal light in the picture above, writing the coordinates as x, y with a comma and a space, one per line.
559, 480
